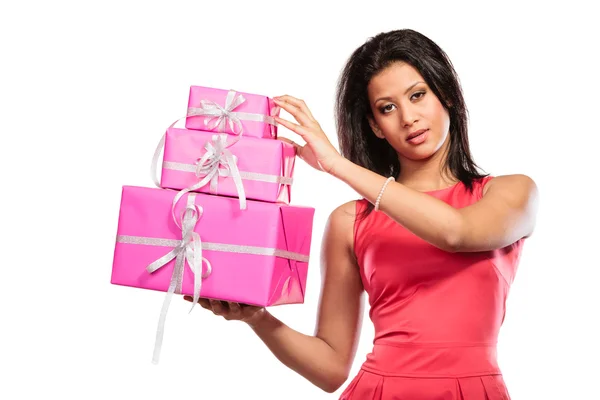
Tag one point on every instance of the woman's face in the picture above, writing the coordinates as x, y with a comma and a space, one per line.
402, 104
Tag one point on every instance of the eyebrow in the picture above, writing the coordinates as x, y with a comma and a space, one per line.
407, 90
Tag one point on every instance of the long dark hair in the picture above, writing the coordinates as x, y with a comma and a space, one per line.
357, 141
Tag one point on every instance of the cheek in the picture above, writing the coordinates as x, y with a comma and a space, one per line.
441, 119
391, 126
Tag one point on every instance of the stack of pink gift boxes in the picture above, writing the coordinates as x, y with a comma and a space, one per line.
220, 225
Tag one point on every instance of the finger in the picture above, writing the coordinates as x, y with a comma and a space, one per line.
204, 303
296, 112
225, 305
216, 306
290, 141
286, 140
300, 130
234, 309
201, 301
190, 298
297, 103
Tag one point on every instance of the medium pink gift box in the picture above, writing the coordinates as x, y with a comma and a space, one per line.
231, 112
256, 256
264, 167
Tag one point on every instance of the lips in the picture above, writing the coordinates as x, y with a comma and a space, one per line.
415, 134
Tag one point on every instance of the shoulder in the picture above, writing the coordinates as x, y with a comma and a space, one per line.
516, 184
340, 224
345, 214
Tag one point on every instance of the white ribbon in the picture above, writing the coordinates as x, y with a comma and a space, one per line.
216, 155
188, 249
219, 115
246, 176
210, 246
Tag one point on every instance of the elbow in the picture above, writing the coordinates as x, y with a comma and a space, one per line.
453, 240
452, 245
330, 388
334, 381
332, 385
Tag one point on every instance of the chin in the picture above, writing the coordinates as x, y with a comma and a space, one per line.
419, 157
421, 153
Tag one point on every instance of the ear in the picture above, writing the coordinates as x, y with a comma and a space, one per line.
375, 128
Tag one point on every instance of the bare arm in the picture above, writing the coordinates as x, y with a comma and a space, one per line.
325, 359
504, 215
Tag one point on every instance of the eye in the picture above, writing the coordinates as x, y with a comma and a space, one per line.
386, 109
421, 94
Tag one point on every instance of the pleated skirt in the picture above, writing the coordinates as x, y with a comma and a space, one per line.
369, 385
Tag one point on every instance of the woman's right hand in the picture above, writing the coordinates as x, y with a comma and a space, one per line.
232, 311
318, 152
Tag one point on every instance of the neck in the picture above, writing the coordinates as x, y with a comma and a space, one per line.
427, 174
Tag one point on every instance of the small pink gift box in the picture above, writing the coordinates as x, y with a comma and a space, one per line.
263, 168
231, 112
255, 256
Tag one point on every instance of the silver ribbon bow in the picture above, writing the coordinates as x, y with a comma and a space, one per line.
190, 250
216, 155
219, 115
209, 166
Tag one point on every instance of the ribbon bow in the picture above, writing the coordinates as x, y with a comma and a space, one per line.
190, 249
219, 116
217, 155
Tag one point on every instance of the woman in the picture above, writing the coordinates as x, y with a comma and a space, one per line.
433, 243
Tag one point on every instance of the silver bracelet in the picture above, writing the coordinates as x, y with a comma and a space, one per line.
391, 178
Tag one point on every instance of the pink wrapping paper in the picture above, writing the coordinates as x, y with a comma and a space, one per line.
247, 278
255, 104
271, 158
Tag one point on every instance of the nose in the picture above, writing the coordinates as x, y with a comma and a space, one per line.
408, 116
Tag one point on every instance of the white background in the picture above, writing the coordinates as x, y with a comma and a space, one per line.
87, 90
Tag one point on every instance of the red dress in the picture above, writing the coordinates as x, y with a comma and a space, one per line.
436, 314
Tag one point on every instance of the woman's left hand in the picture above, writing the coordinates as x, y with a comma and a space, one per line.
318, 152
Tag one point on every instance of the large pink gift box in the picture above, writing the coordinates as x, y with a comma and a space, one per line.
231, 112
255, 256
263, 168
